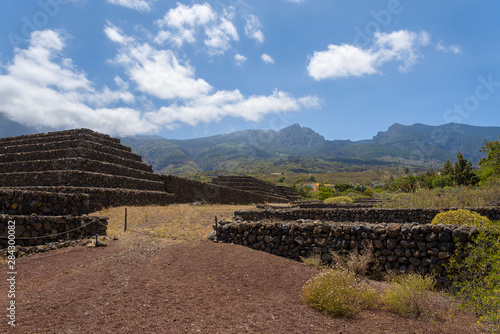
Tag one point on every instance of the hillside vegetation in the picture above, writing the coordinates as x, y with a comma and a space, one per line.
297, 151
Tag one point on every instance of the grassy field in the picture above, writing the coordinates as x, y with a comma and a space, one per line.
177, 222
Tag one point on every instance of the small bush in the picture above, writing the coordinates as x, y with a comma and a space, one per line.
460, 217
337, 293
368, 192
356, 261
312, 261
475, 272
359, 262
407, 294
338, 199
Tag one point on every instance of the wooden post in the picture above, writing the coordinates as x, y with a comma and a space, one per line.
125, 226
216, 223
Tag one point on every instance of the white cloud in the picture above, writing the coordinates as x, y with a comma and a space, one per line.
341, 61
116, 35
42, 87
220, 36
252, 28
186, 24
229, 103
296, 1
139, 5
183, 22
239, 59
267, 59
456, 49
160, 74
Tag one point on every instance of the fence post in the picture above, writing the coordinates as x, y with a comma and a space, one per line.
125, 225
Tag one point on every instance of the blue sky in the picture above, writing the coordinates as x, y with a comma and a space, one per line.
186, 69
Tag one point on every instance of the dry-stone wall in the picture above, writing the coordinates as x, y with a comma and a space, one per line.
370, 215
80, 161
100, 198
59, 145
38, 230
82, 164
63, 135
77, 152
397, 247
251, 184
77, 178
188, 191
19, 202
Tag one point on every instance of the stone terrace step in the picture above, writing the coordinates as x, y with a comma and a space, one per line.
70, 144
75, 153
253, 188
37, 230
76, 164
27, 202
65, 136
289, 193
43, 137
77, 178
107, 197
257, 190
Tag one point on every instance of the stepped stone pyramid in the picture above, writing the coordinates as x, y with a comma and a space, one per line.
80, 162
251, 184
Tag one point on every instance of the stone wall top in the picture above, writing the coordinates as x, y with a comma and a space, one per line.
78, 152
371, 215
44, 137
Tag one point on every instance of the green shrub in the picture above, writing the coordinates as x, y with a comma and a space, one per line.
313, 261
338, 199
474, 270
407, 294
460, 217
368, 192
336, 292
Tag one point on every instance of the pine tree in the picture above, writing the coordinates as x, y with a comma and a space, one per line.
462, 172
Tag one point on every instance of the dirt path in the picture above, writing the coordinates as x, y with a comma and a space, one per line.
144, 283
198, 287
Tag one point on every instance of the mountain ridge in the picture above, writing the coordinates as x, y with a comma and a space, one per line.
416, 145
302, 149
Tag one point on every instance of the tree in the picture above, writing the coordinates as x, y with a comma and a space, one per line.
490, 166
447, 168
325, 192
462, 172
341, 187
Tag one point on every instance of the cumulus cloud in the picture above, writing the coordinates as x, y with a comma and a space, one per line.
39, 86
116, 35
221, 35
159, 73
225, 103
139, 5
341, 61
184, 23
267, 59
180, 24
239, 59
252, 28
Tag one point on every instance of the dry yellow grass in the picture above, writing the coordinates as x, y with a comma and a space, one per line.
179, 222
